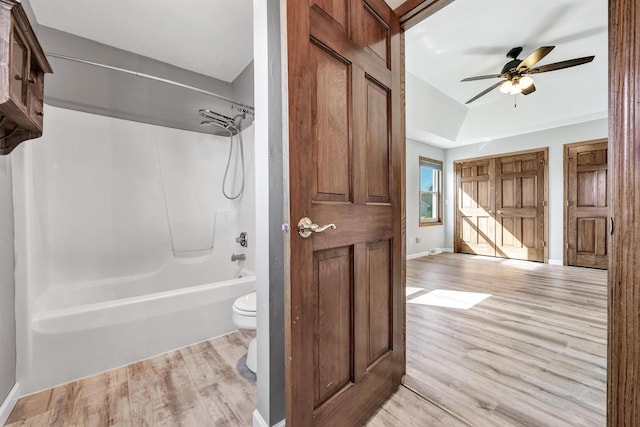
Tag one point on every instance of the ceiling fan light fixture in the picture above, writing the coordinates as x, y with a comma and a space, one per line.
516, 89
506, 86
525, 82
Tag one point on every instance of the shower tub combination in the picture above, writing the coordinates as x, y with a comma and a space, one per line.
129, 242
81, 330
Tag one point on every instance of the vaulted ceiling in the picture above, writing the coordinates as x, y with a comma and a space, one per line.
471, 37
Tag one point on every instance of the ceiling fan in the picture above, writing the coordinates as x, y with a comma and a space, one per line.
515, 73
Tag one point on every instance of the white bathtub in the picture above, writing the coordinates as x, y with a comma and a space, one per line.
82, 329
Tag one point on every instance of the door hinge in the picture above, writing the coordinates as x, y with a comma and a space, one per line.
544, 203
544, 244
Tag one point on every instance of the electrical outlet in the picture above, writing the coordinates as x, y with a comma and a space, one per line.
411, 240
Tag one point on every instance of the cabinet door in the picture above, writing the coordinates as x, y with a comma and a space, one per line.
19, 67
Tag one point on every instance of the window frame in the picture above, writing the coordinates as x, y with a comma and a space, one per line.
439, 220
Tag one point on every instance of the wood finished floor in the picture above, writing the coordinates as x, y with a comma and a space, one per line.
194, 386
531, 354
197, 386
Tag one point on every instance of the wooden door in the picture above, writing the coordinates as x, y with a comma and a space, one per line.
587, 206
520, 206
345, 349
475, 223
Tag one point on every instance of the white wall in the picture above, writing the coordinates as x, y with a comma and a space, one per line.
7, 300
431, 237
432, 116
552, 138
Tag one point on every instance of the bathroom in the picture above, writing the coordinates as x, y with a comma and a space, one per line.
134, 215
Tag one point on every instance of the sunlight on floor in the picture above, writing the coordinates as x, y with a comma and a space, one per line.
450, 299
411, 290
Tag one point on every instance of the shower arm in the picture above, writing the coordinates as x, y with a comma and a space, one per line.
240, 107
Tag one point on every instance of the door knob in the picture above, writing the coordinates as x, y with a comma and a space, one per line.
499, 212
306, 227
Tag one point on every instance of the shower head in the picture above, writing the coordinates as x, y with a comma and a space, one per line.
220, 124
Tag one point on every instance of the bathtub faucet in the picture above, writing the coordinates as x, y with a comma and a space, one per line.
241, 257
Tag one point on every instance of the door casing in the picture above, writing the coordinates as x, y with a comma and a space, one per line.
623, 380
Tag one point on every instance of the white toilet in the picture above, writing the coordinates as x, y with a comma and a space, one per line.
244, 317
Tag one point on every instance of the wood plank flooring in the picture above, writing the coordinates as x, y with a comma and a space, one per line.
531, 354
194, 386
197, 386
406, 409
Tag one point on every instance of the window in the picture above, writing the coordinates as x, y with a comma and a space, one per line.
430, 192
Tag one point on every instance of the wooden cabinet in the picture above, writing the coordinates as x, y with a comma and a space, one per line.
22, 69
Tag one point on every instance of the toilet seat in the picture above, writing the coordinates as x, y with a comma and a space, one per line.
244, 312
245, 305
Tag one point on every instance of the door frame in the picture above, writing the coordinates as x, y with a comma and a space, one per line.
623, 382
493, 156
565, 209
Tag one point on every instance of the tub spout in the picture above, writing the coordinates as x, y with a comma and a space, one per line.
240, 257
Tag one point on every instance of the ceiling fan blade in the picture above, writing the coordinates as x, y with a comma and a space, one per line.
490, 76
486, 91
529, 90
561, 65
535, 57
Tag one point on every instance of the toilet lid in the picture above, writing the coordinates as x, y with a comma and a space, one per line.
246, 303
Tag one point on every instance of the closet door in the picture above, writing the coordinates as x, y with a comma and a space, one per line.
520, 206
587, 208
475, 223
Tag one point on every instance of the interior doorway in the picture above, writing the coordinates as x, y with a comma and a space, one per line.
463, 318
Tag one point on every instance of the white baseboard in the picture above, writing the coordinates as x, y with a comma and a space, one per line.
258, 421
9, 403
418, 255
434, 251
555, 262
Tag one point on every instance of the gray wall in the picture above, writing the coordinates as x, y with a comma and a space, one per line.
431, 237
242, 86
91, 89
7, 290
269, 143
552, 138
278, 215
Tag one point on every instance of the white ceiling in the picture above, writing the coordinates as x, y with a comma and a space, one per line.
211, 37
472, 37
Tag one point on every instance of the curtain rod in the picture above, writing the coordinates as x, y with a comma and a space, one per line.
243, 108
